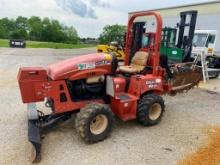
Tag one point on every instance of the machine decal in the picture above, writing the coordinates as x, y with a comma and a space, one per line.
103, 62
174, 52
158, 80
150, 82
86, 66
100, 63
153, 83
91, 74
107, 62
151, 86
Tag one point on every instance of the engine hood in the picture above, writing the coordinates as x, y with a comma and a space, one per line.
65, 69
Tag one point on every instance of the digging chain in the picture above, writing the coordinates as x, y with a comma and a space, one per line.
186, 76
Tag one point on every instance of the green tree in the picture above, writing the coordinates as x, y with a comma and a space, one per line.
3, 33
19, 34
112, 33
21, 23
57, 33
71, 33
7, 26
21, 28
35, 28
46, 30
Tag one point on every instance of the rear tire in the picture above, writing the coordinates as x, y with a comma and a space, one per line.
94, 122
150, 109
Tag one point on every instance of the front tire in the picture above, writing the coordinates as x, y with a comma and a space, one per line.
94, 122
150, 109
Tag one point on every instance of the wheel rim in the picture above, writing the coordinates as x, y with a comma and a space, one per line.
99, 124
155, 111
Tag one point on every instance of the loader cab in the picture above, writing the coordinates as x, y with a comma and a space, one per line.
168, 46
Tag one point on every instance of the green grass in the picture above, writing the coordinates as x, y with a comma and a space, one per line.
4, 43
36, 44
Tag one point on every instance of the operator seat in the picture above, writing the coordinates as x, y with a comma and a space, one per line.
138, 63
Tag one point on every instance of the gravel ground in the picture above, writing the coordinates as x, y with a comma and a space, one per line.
179, 132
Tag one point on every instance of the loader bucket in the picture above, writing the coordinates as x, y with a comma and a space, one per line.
185, 77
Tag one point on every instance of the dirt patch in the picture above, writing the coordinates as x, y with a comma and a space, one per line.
209, 154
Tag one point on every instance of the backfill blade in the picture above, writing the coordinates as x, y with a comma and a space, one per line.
35, 139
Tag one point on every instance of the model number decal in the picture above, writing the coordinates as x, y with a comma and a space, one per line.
92, 65
149, 82
156, 81
153, 83
103, 62
152, 86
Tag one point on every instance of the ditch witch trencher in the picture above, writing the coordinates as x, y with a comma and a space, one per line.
96, 89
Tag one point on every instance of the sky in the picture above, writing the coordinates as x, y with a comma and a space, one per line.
87, 16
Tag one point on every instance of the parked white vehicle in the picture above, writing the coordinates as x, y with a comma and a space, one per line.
204, 40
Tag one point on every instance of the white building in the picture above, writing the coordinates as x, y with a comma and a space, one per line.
208, 17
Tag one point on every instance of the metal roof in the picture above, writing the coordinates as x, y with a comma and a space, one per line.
175, 7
